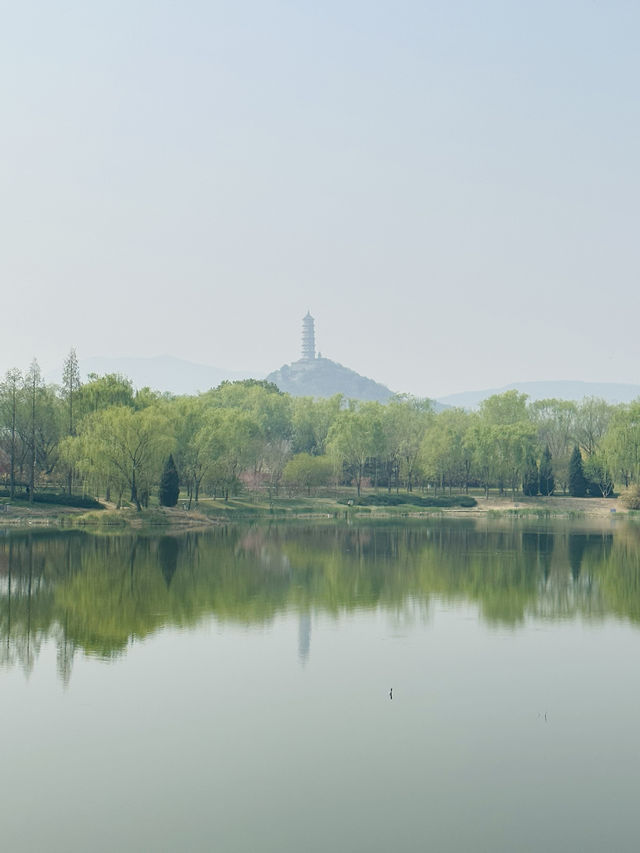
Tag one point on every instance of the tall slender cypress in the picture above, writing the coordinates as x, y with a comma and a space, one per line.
70, 386
547, 480
577, 480
530, 477
169, 484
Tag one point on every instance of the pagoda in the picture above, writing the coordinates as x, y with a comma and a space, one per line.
315, 376
308, 338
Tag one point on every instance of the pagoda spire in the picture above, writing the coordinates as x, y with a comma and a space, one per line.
308, 338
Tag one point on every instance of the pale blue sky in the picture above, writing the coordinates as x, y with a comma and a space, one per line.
452, 188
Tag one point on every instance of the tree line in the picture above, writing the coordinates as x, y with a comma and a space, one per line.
105, 439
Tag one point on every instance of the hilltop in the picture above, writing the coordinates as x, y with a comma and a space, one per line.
321, 377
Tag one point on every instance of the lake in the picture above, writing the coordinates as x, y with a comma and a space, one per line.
445, 685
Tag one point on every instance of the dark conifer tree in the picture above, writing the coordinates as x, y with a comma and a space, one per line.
530, 476
547, 480
169, 484
577, 480
168, 557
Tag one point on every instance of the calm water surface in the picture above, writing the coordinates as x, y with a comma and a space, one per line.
229, 691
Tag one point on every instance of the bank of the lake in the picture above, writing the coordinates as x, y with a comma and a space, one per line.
210, 512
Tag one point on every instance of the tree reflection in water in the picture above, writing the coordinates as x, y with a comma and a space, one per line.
97, 594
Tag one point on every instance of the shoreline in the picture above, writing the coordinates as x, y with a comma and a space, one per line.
210, 513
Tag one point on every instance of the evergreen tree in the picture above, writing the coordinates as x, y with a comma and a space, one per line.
530, 476
169, 484
547, 480
70, 386
577, 480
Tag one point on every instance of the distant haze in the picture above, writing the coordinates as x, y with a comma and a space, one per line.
178, 376
163, 373
612, 392
450, 188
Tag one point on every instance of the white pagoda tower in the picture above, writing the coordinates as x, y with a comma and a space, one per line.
308, 338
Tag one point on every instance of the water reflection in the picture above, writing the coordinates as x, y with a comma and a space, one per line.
97, 594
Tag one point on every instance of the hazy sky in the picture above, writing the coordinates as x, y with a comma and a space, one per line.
452, 188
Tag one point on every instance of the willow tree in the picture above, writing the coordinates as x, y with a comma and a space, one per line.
408, 418
311, 421
101, 392
33, 389
556, 422
622, 442
306, 471
592, 421
354, 437
123, 449
227, 443
188, 415
9, 401
445, 453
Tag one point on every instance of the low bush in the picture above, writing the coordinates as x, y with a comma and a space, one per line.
411, 500
631, 497
77, 501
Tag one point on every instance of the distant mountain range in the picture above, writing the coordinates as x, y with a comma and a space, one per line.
321, 377
161, 372
612, 392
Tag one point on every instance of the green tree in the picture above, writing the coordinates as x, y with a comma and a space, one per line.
482, 442
504, 409
9, 402
577, 480
446, 453
146, 396
306, 472
234, 385
598, 475
100, 392
592, 421
189, 415
169, 484
33, 388
311, 420
622, 442
530, 476
122, 448
505, 437
270, 410
556, 421
408, 418
227, 442
515, 445
353, 438
70, 387
547, 481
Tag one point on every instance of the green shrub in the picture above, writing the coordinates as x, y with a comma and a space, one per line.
78, 501
631, 497
411, 500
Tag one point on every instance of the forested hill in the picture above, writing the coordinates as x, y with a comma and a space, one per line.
612, 392
321, 377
